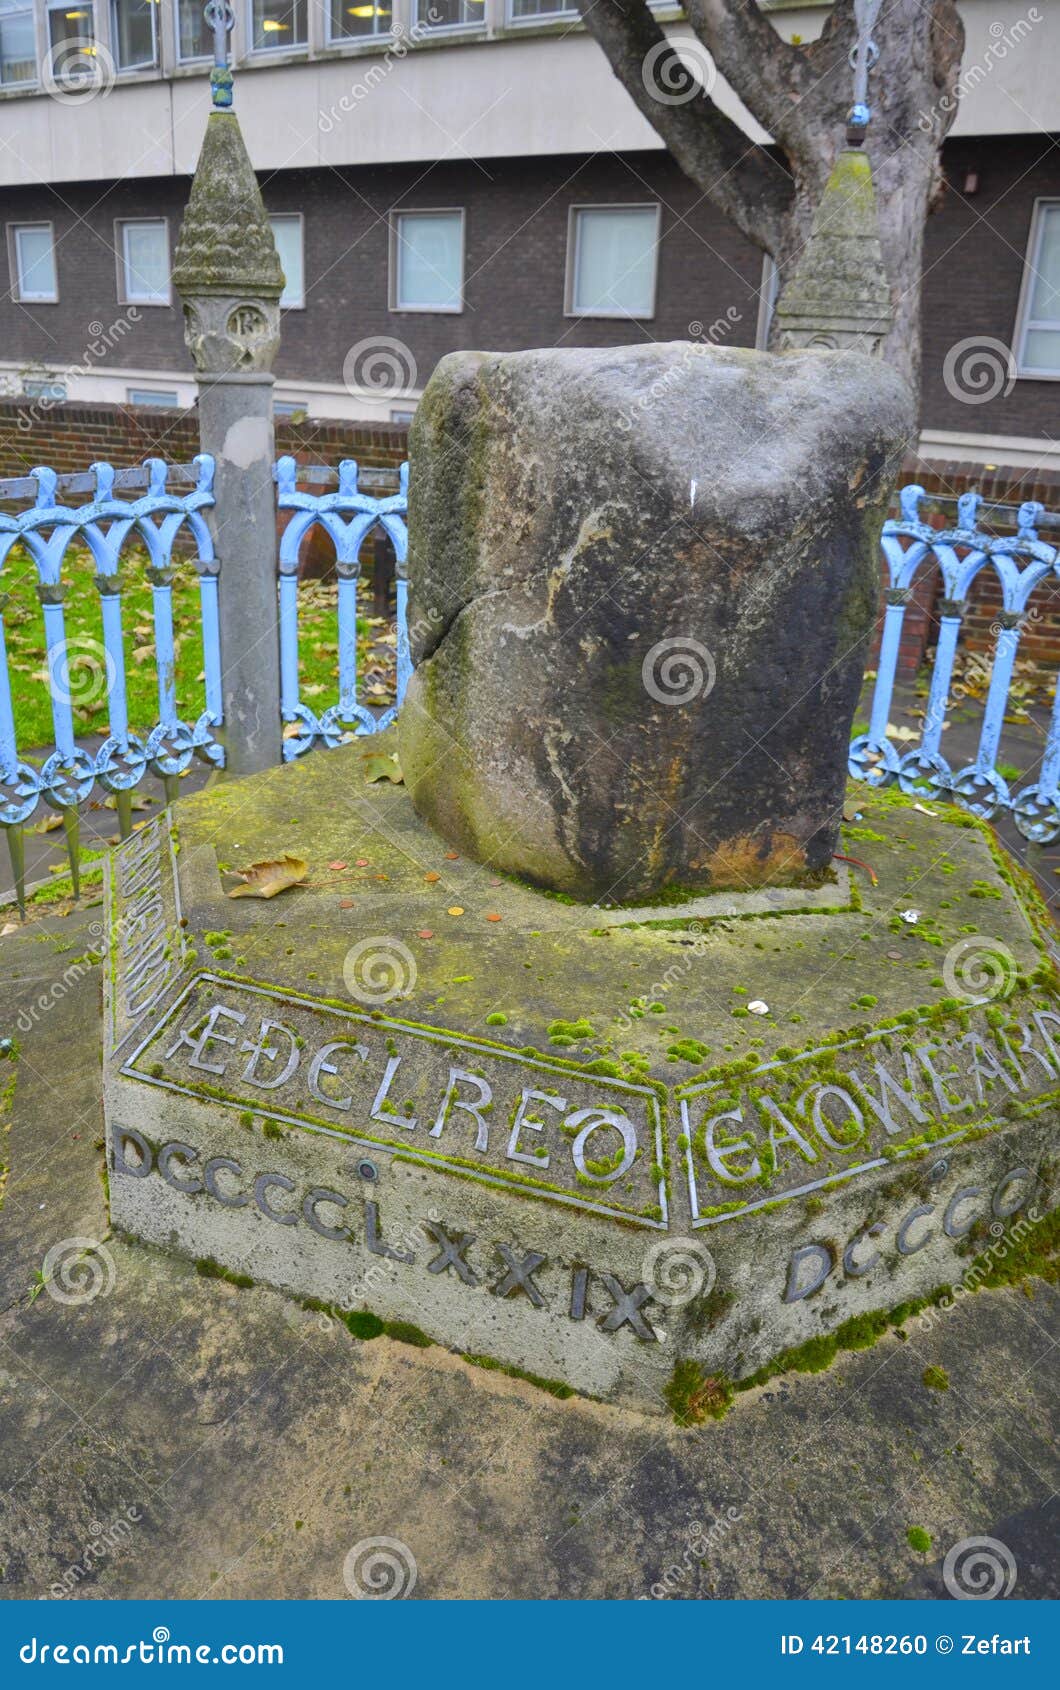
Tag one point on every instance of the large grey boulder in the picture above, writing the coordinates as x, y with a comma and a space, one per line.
643, 583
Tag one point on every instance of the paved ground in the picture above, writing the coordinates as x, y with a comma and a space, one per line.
209, 1441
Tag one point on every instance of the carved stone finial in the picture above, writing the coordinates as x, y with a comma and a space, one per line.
227, 270
838, 296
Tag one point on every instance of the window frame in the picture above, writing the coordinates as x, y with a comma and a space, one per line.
15, 268
556, 15
293, 47
154, 395
154, 62
121, 260
393, 259
29, 9
299, 218
341, 41
178, 56
1024, 321
432, 30
570, 309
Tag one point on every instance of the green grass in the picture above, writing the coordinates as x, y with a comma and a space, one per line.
24, 631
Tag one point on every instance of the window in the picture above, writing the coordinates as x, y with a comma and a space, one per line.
72, 46
297, 409
43, 389
132, 33
194, 35
363, 17
611, 261
18, 50
33, 262
1037, 334
277, 23
767, 300
398, 416
427, 261
161, 398
287, 233
450, 14
520, 9
143, 253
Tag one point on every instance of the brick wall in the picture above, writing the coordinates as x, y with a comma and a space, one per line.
71, 436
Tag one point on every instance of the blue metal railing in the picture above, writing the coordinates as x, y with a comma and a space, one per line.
348, 516
1021, 561
65, 773
171, 500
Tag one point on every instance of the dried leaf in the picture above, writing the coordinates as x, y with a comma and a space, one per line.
265, 880
337, 866
428, 932
48, 825
432, 875
377, 766
493, 917
455, 909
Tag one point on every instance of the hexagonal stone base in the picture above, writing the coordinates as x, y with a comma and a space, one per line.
586, 1143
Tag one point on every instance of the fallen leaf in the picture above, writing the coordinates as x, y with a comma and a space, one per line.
346, 903
12, 927
377, 766
428, 932
452, 856
432, 875
455, 909
337, 866
48, 825
265, 880
493, 917
362, 862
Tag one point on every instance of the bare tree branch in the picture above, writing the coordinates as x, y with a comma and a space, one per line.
770, 75
740, 177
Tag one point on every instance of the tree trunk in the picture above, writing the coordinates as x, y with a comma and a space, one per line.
801, 96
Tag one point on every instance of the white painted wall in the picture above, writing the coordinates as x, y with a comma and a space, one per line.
505, 92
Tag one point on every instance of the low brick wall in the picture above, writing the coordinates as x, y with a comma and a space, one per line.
72, 435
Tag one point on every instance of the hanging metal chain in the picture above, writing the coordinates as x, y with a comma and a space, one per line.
863, 55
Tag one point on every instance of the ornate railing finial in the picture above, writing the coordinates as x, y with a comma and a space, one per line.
221, 18
863, 55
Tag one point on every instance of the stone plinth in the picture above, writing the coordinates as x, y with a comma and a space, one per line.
642, 584
565, 1138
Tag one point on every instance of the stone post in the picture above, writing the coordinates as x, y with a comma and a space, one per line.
228, 276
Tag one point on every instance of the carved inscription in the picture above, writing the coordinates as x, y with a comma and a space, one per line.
434, 1096
145, 947
789, 1127
502, 1268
